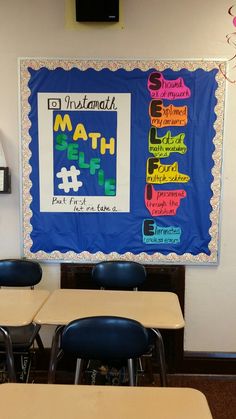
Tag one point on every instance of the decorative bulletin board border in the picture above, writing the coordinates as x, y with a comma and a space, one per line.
121, 159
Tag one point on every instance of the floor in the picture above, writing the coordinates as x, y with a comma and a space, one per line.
220, 392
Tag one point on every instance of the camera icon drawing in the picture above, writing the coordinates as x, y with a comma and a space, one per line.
54, 104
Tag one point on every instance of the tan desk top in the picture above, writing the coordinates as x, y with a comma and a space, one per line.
18, 307
153, 309
47, 401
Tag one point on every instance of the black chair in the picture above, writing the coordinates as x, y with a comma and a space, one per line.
21, 273
123, 275
99, 338
119, 274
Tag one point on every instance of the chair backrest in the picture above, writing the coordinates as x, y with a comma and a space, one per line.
105, 337
19, 273
119, 274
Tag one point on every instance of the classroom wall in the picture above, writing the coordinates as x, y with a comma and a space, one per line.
148, 29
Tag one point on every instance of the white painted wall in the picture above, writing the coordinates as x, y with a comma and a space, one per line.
148, 29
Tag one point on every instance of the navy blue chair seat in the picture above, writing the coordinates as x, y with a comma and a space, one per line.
99, 338
119, 274
19, 273
22, 337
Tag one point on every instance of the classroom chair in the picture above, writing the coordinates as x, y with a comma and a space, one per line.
99, 338
21, 273
119, 274
123, 275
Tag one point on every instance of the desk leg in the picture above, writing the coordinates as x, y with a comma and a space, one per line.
161, 353
9, 355
55, 350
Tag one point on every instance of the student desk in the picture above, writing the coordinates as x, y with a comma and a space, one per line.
18, 308
47, 401
154, 310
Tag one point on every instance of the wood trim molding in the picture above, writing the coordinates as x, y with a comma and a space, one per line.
222, 363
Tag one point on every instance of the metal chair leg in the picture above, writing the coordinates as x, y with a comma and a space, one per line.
9, 355
54, 354
161, 353
140, 365
131, 372
39, 342
78, 371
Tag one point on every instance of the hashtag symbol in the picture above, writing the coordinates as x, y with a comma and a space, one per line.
69, 179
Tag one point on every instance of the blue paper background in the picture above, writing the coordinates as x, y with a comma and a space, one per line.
122, 232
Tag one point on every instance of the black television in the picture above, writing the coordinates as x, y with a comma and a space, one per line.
97, 10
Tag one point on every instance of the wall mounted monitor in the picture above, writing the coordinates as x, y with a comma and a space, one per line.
97, 10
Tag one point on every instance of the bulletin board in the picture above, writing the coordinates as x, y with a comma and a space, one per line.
121, 159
